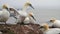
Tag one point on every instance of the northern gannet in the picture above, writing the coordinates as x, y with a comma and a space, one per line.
30, 18
4, 14
56, 23
48, 30
32, 15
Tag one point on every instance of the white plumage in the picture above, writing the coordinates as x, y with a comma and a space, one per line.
56, 23
4, 14
48, 30
29, 19
23, 15
52, 31
11, 21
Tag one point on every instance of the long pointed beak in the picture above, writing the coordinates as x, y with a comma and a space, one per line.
31, 6
33, 18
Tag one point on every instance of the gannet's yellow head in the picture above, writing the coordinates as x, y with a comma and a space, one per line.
31, 14
28, 4
52, 20
45, 26
4, 6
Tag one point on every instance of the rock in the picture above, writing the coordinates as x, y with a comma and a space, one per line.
27, 29
24, 29
0, 32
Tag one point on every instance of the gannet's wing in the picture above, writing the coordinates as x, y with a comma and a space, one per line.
15, 11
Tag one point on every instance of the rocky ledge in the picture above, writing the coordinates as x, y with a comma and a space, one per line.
21, 29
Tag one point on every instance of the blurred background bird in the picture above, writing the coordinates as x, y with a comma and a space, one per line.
55, 22
47, 30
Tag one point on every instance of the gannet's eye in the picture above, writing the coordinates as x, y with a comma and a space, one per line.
51, 20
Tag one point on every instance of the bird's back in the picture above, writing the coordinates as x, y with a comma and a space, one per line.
23, 13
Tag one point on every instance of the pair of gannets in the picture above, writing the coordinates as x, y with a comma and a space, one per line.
56, 23
4, 14
48, 30
24, 16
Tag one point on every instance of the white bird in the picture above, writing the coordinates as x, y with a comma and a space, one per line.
4, 14
56, 23
48, 30
30, 19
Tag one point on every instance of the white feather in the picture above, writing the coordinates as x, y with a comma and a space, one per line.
52, 31
4, 15
56, 23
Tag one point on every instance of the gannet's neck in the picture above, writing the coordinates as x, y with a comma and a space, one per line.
46, 28
24, 8
5, 10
